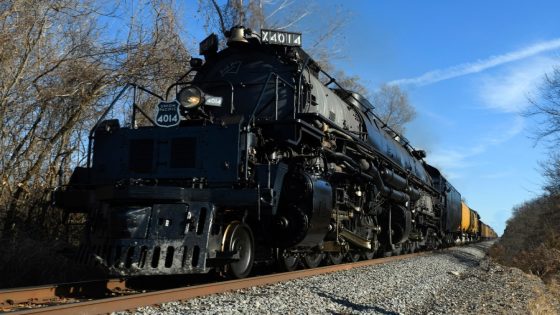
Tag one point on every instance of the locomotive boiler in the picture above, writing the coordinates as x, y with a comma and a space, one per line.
258, 157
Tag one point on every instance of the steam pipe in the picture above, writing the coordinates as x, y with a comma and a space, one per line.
373, 175
393, 179
413, 193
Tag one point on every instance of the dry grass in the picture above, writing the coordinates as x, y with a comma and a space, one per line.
542, 260
547, 302
553, 286
531, 242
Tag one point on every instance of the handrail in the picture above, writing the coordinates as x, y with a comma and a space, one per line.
92, 131
251, 119
261, 95
179, 80
384, 126
300, 83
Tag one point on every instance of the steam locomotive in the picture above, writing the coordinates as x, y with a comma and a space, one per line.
261, 157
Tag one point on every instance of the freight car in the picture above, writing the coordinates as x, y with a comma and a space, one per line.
486, 232
258, 156
469, 224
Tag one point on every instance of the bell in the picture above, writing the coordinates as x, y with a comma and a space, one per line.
237, 35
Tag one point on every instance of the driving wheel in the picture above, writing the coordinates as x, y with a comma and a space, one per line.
313, 260
239, 240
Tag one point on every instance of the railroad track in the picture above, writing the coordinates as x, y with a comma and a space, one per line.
93, 297
42, 296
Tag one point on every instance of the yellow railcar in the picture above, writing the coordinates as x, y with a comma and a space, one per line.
474, 222
465, 217
486, 232
493, 233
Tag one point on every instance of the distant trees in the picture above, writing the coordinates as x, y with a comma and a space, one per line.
393, 107
531, 240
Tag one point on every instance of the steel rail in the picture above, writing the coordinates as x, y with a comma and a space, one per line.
134, 301
50, 293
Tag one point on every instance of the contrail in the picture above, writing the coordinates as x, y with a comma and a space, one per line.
479, 65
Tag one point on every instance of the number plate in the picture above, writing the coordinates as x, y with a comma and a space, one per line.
280, 38
167, 114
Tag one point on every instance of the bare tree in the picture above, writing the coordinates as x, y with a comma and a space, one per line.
551, 173
393, 107
546, 111
52, 75
251, 14
280, 15
57, 75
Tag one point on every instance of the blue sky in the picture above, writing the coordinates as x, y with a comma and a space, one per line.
469, 68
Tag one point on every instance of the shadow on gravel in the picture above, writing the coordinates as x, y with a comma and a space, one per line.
346, 303
465, 258
482, 246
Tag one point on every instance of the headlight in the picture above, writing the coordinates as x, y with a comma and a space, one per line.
190, 97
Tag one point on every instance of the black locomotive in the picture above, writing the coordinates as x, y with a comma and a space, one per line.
256, 160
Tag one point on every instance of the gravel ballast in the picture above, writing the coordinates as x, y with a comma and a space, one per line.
456, 281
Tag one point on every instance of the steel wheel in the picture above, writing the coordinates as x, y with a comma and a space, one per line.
367, 255
398, 250
313, 260
353, 256
240, 240
334, 258
288, 261
413, 247
405, 247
